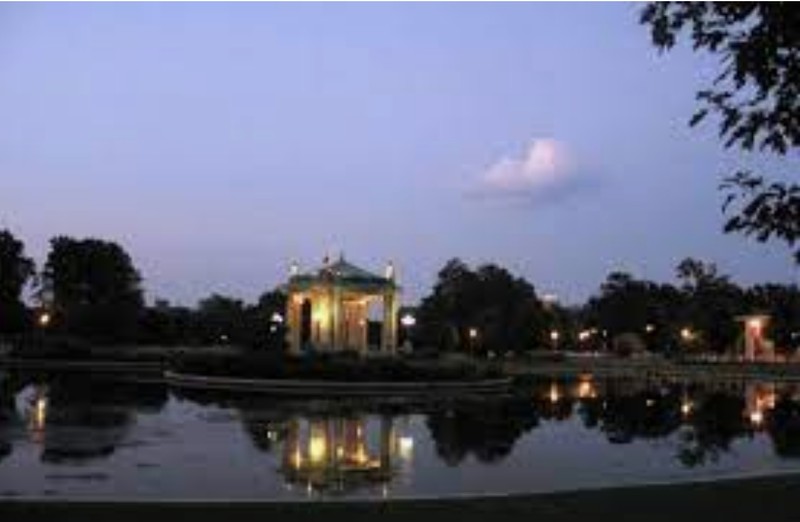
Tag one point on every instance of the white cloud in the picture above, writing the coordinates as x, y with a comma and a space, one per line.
545, 166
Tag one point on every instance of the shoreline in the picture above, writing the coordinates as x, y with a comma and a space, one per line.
311, 386
784, 372
737, 498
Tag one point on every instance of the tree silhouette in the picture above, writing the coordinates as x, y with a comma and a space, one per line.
15, 272
94, 289
756, 97
480, 310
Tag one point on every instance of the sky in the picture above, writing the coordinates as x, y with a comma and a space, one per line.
220, 142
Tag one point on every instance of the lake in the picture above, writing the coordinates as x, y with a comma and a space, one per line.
75, 436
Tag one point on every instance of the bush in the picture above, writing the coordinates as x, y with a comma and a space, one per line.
334, 367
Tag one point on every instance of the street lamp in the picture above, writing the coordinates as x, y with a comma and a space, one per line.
687, 334
554, 336
408, 320
472, 333
44, 319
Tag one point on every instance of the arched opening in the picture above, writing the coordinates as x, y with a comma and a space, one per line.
305, 322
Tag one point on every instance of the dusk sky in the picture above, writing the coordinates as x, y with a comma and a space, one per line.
217, 143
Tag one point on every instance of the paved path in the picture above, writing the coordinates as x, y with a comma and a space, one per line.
769, 499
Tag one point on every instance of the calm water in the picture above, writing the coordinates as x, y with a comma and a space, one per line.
72, 436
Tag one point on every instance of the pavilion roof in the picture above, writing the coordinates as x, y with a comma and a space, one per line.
343, 273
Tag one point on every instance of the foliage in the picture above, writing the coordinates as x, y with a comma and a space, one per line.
480, 310
756, 96
706, 303
15, 271
713, 304
94, 288
217, 320
627, 305
336, 367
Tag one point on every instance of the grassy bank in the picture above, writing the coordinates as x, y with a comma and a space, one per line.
744, 500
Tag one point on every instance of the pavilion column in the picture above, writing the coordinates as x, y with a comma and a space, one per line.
336, 319
294, 322
389, 329
363, 324
387, 442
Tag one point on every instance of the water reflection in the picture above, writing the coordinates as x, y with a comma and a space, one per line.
484, 428
75, 419
342, 454
591, 427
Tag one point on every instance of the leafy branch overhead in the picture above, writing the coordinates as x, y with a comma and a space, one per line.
755, 95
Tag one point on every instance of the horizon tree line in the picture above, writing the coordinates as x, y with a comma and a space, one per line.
89, 289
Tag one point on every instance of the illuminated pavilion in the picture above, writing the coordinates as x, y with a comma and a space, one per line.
328, 309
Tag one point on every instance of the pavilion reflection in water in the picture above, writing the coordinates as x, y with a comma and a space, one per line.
338, 454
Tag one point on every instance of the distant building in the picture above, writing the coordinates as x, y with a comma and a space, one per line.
328, 309
756, 345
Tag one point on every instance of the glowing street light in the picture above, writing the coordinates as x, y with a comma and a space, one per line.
408, 320
277, 318
554, 394
473, 333
44, 319
649, 328
687, 334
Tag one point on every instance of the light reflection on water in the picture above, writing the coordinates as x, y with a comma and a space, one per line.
80, 437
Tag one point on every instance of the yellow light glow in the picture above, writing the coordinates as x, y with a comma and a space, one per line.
361, 455
586, 389
554, 394
755, 325
317, 447
649, 328
687, 407
297, 459
757, 417
584, 335
473, 333
687, 334
44, 319
554, 335
41, 412
406, 447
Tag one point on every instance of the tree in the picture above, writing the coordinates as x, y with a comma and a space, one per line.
713, 303
94, 288
756, 96
221, 320
166, 325
267, 321
480, 310
626, 305
15, 272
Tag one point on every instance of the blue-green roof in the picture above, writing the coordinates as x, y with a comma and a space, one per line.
343, 273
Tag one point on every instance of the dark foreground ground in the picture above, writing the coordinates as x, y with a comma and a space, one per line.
773, 499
